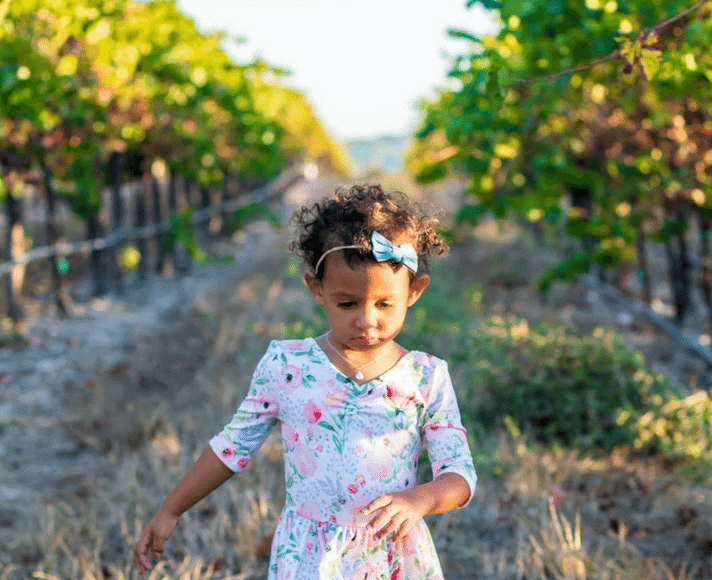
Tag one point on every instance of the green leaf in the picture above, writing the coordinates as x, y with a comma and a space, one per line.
461, 34
431, 172
650, 62
470, 214
504, 80
242, 216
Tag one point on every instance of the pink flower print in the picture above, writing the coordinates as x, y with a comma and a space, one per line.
291, 377
361, 480
379, 472
320, 448
242, 463
267, 405
291, 437
310, 432
396, 574
228, 453
389, 391
368, 432
335, 398
312, 412
310, 547
304, 511
359, 449
305, 460
352, 488
308, 509
297, 346
370, 570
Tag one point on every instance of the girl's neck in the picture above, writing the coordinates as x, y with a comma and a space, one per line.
364, 368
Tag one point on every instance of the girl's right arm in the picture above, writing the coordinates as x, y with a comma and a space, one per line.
207, 474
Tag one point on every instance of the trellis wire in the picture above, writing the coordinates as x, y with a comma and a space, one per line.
66, 249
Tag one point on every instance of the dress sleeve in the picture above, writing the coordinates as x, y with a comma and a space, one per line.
254, 418
443, 432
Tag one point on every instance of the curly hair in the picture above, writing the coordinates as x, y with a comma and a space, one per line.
351, 215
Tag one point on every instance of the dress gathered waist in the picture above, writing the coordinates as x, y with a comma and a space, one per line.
346, 517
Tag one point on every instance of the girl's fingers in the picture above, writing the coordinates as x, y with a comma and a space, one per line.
149, 541
387, 523
157, 546
377, 504
140, 554
402, 530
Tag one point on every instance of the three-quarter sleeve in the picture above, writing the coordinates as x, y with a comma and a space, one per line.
442, 429
254, 419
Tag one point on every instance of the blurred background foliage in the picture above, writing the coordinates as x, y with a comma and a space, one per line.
605, 104
80, 81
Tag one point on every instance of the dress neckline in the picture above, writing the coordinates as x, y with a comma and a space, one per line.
325, 356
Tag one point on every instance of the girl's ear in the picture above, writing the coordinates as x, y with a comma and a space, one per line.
417, 287
315, 287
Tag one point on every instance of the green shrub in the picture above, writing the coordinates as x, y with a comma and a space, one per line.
555, 385
679, 427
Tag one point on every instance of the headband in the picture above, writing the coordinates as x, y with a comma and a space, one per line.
382, 250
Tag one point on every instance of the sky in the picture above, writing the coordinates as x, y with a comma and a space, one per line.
363, 65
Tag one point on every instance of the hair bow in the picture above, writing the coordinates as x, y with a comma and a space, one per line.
384, 250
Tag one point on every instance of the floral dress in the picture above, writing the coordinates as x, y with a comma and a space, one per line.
345, 444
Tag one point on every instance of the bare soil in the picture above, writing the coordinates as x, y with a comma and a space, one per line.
82, 392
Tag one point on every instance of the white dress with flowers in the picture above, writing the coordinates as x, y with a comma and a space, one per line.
344, 445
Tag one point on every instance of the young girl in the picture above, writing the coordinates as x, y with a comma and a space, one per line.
354, 408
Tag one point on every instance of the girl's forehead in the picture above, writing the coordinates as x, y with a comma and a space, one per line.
339, 276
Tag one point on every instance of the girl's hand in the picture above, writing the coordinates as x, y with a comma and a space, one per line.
396, 513
153, 538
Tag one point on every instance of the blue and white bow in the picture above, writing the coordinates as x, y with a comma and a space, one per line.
384, 250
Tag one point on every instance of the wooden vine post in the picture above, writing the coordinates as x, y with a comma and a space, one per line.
116, 164
157, 219
705, 273
178, 260
204, 202
12, 212
52, 232
140, 221
678, 265
97, 261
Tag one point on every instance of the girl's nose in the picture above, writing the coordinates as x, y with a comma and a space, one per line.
366, 318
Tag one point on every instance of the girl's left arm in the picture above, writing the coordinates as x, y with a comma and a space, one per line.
450, 458
207, 474
396, 513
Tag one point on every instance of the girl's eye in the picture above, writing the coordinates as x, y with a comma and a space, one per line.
345, 304
386, 304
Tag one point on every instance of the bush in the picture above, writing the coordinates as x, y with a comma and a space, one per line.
679, 427
555, 385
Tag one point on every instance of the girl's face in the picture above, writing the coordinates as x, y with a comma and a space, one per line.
365, 305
